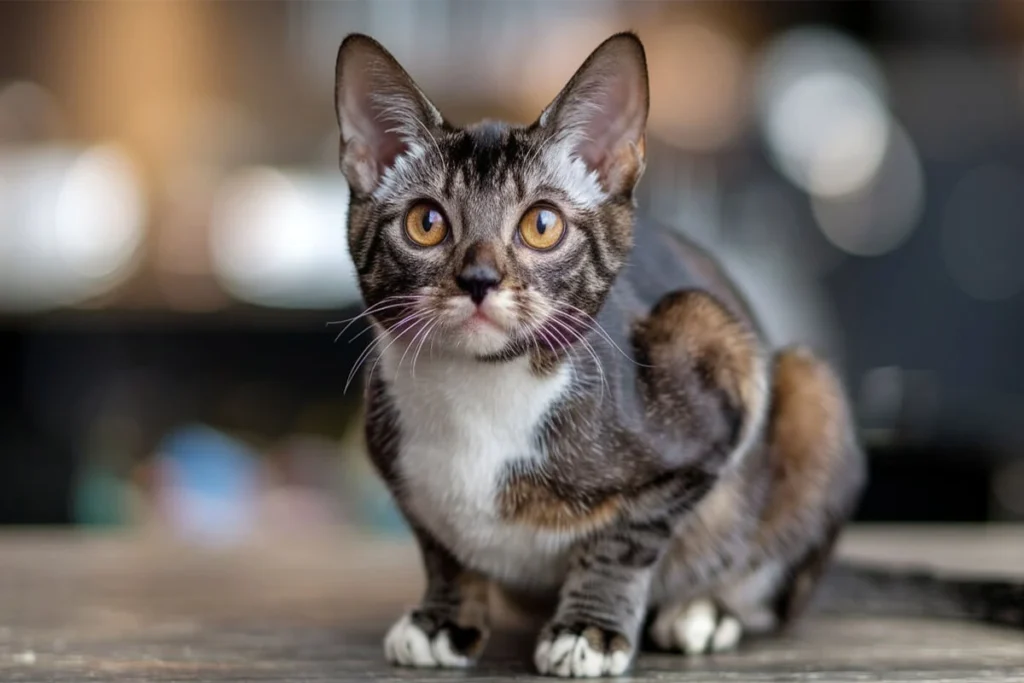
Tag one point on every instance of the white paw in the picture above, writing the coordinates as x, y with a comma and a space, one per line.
696, 628
571, 655
407, 644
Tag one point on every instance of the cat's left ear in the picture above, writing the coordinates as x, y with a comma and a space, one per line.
602, 112
381, 112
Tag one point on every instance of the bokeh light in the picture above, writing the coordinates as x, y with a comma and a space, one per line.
698, 85
821, 106
73, 224
279, 239
98, 214
879, 216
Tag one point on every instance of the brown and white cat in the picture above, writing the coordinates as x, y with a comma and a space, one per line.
572, 406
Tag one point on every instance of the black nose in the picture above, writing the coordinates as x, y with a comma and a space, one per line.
476, 280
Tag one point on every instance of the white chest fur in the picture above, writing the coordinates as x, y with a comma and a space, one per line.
462, 423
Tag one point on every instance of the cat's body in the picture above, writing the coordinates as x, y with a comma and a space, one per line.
467, 428
576, 408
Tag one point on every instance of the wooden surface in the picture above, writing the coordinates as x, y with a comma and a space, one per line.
141, 608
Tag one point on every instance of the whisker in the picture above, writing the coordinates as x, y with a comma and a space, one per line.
381, 354
593, 354
525, 329
571, 352
377, 308
422, 342
592, 323
412, 318
359, 334
422, 328
383, 301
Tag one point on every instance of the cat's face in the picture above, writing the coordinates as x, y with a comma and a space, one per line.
492, 240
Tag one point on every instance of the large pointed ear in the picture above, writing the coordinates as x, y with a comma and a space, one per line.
381, 112
601, 114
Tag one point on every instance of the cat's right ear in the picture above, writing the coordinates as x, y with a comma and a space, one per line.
382, 114
601, 114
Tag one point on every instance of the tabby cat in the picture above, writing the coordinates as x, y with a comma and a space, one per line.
571, 407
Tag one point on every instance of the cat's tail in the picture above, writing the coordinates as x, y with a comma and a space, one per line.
857, 589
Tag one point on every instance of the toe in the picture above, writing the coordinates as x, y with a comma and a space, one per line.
727, 634
445, 655
589, 653
697, 626
408, 645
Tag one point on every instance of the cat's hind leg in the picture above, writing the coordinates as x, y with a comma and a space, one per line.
817, 472
812, 472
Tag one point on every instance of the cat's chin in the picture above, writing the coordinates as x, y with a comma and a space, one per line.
480, 339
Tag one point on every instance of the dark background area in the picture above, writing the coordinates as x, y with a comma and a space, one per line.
172, 231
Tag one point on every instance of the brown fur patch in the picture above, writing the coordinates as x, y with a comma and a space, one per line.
692, 327
530, 502
812, 456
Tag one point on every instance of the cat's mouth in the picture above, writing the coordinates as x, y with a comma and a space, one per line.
505, 321
482, 329
480, 317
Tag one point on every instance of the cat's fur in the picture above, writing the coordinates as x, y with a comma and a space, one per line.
608, 428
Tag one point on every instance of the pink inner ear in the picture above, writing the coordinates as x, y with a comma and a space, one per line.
612, 131
602, 112
365, 124
381, 112
609, 126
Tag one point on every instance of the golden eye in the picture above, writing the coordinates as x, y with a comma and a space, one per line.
426, 225
541, 228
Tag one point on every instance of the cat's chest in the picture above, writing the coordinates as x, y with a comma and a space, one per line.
463, 425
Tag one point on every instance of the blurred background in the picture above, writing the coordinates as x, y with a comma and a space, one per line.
172, 243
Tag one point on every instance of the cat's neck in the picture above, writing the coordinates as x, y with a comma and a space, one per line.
442, 388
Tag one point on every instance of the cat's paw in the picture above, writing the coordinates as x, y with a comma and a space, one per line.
697, 628
582, 651
418, 641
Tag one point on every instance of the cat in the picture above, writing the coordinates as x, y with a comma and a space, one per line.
576, 408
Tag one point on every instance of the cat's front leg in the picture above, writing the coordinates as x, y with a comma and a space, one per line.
449, 628
602, 603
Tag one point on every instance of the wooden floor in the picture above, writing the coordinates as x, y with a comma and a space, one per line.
76, 608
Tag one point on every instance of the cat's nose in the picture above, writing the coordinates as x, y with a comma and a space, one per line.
481, 271
477, 279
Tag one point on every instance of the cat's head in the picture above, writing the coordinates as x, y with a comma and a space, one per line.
493, 239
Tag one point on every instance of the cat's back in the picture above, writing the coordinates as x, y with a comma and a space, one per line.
664, 260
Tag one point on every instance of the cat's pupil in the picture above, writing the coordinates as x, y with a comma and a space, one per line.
545, 219
430, 219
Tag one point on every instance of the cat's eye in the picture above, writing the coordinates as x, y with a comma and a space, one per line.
425, 225
541, 228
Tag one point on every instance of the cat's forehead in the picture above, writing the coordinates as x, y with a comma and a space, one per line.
490, 164
487, 155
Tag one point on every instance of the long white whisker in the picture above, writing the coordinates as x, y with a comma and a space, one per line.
376, 342
593, 354
359, 334
422, 328
381, 354
377, 308
592, 323
422, 342
570, 351
385, 300
526, 326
